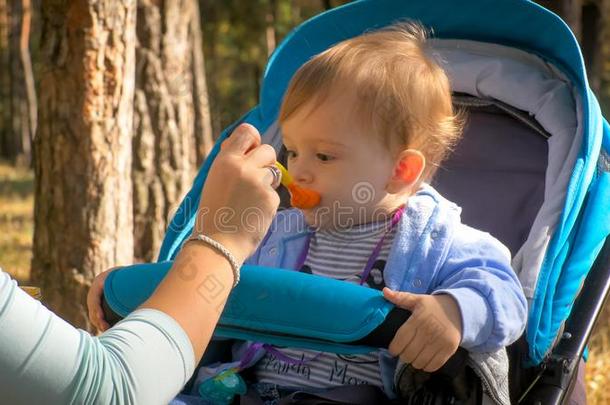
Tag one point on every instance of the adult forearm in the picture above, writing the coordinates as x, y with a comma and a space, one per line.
194, 292
145, 359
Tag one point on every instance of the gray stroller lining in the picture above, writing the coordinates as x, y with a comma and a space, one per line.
500, 193
528, 83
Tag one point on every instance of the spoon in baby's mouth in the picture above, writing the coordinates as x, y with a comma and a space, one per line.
300, 197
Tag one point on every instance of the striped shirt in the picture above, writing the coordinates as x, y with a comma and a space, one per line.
341, 255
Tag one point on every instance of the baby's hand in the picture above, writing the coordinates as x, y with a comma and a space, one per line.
432, 333
94, 301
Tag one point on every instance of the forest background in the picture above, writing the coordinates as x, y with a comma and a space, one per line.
97, 147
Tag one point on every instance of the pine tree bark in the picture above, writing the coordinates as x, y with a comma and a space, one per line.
172, 129
83, 213
270, 34
596, 48
209, 14
569, 10
16, 140
28, 77
204, 134
590, 22
5, 83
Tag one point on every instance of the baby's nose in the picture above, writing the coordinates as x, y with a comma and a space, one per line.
304, 178
301, 174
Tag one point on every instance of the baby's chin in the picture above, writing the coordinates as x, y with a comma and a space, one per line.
322, 220
316, 220
311, 219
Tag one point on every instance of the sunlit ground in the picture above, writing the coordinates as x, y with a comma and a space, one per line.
16, 221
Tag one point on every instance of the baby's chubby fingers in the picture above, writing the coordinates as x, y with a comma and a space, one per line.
405, 300
412, 350
438, 361
403, 337
407, 332
430, 336
424, 357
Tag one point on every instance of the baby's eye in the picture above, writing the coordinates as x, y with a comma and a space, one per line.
324, 157
290, 154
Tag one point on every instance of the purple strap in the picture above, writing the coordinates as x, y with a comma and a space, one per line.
249, 355
369, 264
304, 252
375, 254
257, 346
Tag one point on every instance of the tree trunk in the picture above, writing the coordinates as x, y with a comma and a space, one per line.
591, 29
171, 121
209, 16
83, 220
28, 75
16, 143
295, 7
590, 22
204, 135
270, 34
5, 82
569, 10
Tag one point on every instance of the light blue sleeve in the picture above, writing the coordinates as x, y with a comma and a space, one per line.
145, 359
254, 258
478, 275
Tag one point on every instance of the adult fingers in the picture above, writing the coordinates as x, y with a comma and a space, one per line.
94, 300
243, 139
263, 155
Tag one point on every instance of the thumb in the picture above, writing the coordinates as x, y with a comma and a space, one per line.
401, 299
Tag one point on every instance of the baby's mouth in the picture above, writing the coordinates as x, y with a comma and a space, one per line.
303, 198
300, 197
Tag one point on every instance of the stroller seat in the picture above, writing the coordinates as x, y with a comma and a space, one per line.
532, 170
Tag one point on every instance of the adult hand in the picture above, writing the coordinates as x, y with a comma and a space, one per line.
238, 202
236, 209
94, 301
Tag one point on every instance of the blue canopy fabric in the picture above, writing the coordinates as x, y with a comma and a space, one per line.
585, 220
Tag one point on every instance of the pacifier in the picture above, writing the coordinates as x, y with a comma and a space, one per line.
221, 389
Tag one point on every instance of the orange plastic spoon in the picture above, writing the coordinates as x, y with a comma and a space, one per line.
300, 197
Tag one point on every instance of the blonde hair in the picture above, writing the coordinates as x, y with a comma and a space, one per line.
401, 93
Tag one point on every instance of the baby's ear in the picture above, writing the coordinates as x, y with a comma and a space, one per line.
407, 171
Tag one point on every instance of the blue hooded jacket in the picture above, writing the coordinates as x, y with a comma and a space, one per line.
432, 253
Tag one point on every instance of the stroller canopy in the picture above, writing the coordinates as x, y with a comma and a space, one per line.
513, 51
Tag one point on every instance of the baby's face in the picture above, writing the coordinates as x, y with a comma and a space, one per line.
331, 153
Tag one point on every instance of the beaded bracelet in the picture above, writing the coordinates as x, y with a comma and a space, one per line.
221, 249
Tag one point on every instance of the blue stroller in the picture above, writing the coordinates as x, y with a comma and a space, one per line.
533, 169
